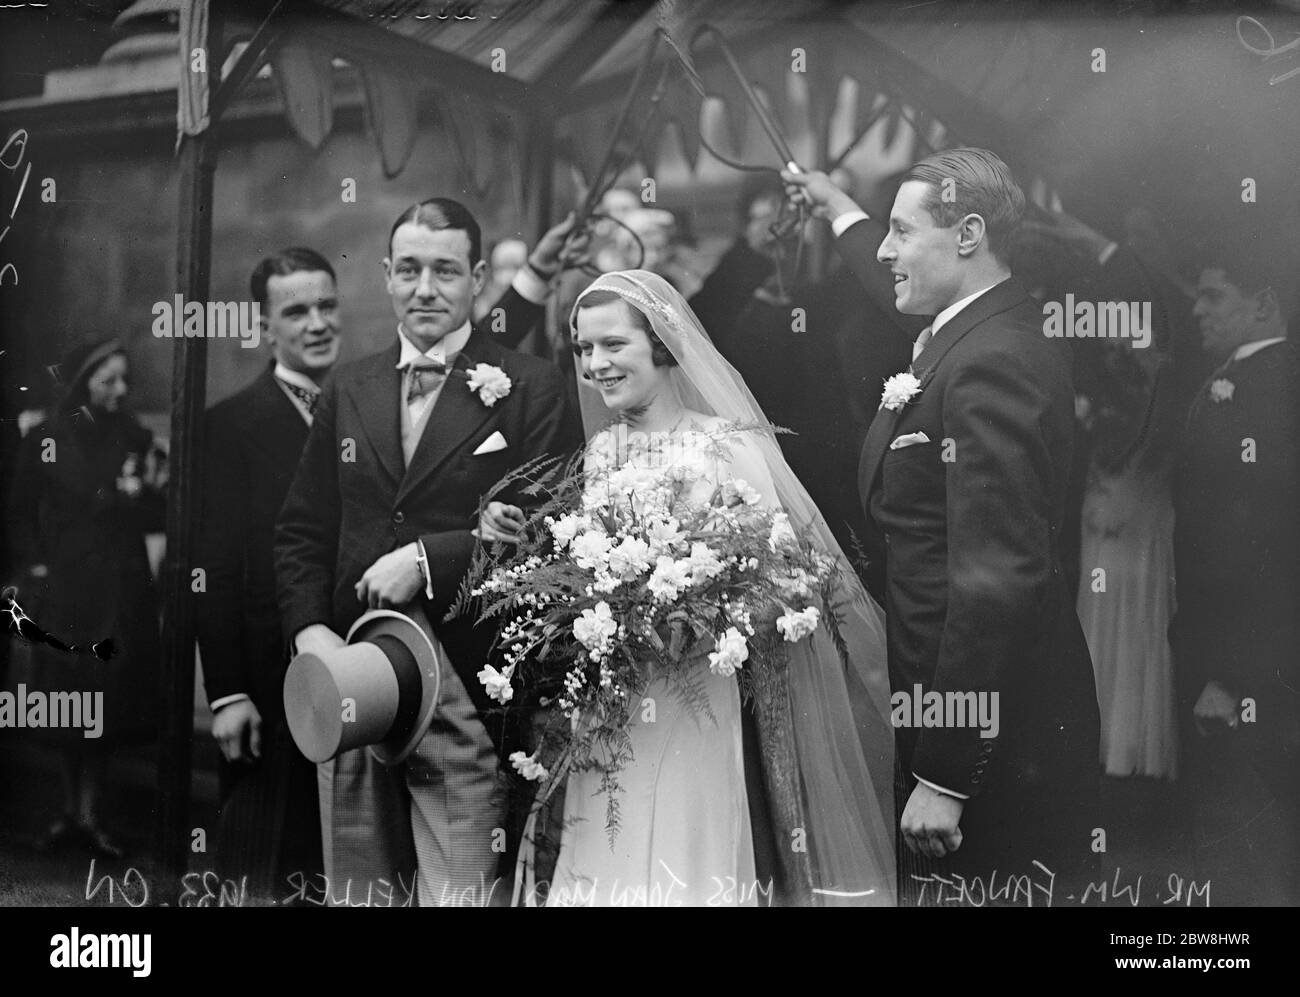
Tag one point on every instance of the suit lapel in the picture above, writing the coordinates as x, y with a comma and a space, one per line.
376, 395
274, 409
457, 414
994, 301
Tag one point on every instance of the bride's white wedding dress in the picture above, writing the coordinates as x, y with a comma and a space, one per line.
683, 834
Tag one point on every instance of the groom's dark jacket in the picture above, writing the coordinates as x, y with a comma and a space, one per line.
976, 600
352, 500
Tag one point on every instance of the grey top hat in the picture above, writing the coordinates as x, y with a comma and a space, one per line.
379, 690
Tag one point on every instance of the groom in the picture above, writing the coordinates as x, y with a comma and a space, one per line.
379, 515
964, 470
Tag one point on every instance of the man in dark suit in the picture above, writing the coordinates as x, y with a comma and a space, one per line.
404, 444
270, 824
1237, 556
964, 470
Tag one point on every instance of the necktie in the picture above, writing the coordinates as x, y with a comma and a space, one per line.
307, 397
424, 376
926, 335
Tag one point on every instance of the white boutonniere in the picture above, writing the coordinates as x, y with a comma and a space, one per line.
490, 382
1221, 390
899, 390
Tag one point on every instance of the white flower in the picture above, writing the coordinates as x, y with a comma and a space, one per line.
703, 563
796, 626
663, 534
595, 627
669, 578
739, 490
782, 533
629, 558
796, 585
566, 528
528, 766
490, 382
732, 652
899, 390
1221, 390
497, 683
590, 550
605, 583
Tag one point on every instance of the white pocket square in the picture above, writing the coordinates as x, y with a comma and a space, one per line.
909, 439
492, 444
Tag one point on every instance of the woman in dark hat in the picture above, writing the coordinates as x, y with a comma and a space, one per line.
88, 487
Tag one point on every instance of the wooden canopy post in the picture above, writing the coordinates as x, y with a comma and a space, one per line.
197, 158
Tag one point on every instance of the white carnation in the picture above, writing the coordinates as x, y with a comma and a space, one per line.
782, 532
595, 627
528, 766
629, 558
497, 683
491, 383
669, 578
732, 652
590, 550
704, 564
796, 626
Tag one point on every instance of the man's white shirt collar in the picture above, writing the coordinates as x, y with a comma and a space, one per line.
295, 377
1249, 349
947, 315
449, 345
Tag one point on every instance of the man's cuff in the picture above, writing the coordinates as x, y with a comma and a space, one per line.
237, 697
940, 789
1104, 256
530, 286
841, 224
422, 562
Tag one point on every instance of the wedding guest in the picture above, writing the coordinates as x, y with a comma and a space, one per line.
505, 259
270, 820
1120, 543
88, 487
1237, 551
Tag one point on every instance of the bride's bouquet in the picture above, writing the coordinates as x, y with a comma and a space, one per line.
644, 563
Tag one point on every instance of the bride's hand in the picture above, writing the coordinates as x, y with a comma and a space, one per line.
500, 523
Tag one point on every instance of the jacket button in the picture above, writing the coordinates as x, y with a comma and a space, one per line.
988, 747
975, 779
399, 517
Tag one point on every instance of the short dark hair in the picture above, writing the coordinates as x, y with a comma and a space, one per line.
757, 187
439, 213
295, 259
662, 356
982, 185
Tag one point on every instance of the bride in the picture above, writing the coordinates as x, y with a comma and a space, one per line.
817, 801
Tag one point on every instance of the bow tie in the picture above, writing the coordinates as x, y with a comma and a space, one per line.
423, 377
308, 397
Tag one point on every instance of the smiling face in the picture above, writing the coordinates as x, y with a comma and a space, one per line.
922, 256
615, 352
302, 321
431, 281
107, 387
